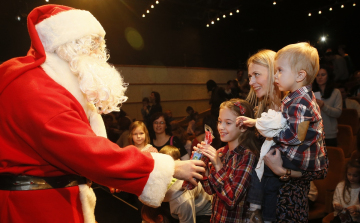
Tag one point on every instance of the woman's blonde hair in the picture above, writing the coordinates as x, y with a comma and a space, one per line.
132, 128
272, 98
172, 151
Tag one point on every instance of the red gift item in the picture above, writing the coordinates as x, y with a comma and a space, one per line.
197, 155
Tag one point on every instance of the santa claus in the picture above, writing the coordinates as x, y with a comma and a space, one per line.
52, 138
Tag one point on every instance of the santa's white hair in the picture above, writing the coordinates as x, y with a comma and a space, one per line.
99, 81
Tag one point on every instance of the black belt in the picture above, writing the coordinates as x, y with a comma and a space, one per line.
11, 182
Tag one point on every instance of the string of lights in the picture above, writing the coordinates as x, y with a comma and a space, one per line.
332, 7
150, 7
223, 15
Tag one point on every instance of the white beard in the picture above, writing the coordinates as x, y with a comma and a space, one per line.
100, 82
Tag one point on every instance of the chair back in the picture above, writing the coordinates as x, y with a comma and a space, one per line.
345, 139
326, 187
350, 117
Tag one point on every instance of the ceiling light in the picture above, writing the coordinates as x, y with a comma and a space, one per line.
212, 22
274, 3
319, 12
18, 18
354, 4
157, 2
148, 11
323, 38
207, 25
218, 19
152, 6
330, 9
230, 13
309, 14
342, 6
143, 15
237, 10
224, 16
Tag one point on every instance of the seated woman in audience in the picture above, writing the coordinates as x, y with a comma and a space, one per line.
347, 192
330, 103
139, 137
161, 135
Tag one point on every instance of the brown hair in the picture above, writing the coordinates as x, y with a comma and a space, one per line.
172, 151
247, 138
347, 186
132, 128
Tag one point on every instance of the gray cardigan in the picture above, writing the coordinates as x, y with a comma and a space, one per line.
330, 112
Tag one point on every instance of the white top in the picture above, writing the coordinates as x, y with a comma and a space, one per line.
354, 195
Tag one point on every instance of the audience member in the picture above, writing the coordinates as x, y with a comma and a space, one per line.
349, 63
169, 116
232, 89
155, 103
347, 102
180, 132
229, 176
157, 215
193, 118
189, 206
355, 84
139, 137
161, 135
145, 109
212, 122
300, 134
243, 83
341, 72
330, 103
313, 194
263, 96
347, 192
124, 124
111, 128
218, 96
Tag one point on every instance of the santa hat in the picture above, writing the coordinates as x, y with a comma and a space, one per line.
49, 26
57, 24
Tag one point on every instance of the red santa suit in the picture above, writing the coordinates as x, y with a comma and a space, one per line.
48, 129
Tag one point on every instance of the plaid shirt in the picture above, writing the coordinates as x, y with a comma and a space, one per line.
309, 154
230, 184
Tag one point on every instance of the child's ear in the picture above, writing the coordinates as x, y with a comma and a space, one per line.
159, 218
301, 76
243, 129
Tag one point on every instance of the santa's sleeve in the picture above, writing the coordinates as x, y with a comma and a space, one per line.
156, 186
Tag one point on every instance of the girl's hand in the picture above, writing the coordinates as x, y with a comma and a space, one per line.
246, 121
338, 207
352, 209
274, 162
210, 152
320, 103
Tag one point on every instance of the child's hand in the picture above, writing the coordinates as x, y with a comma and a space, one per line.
338, 206
210, 152
246, 121
352, 209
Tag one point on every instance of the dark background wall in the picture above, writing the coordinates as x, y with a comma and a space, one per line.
175, 32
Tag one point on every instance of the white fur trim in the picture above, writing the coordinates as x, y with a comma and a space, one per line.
156, 186
59, 70
88, 200
67, 26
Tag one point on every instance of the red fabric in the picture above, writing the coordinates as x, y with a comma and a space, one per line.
12, 69
45, 132
56, 206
